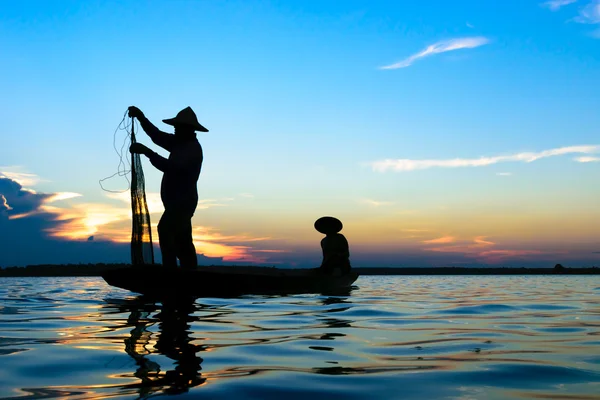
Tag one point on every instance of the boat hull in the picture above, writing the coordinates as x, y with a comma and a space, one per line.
225, 281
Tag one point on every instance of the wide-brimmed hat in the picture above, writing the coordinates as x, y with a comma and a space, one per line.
328, 225
187, 116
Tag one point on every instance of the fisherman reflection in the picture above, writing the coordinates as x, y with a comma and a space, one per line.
174, 322
174, 342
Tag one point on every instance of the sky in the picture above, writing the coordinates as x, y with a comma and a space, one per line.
441, 133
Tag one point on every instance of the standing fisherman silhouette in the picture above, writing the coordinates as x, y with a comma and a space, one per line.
178, 191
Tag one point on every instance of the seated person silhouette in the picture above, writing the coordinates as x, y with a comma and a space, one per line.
336, 252
178, 190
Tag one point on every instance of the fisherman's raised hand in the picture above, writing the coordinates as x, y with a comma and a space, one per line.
135, 112
138, 148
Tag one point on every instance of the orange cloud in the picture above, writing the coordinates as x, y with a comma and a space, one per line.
481, 249
152, 199
114, 223
211, 243
496, 256
443, 239
4, 203
62, 196
480, 240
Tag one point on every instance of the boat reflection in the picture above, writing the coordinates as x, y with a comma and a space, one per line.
164, 329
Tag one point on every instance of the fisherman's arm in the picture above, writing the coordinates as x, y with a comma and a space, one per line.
181, 162
159, 137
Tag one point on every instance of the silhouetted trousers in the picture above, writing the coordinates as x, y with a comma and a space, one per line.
175, 238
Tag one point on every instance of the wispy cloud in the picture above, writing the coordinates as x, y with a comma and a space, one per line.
155, 204
480, 240
440, 240
587, 159
590, 14
210, 242
469, 25
4, 204
22, 178
483, 250
504, 173
555, 5
440, 47
62, 196
401, 165
376, 203
152, 199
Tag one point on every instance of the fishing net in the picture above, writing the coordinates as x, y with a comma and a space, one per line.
142, 251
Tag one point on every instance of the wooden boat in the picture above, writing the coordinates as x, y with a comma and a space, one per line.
225, 281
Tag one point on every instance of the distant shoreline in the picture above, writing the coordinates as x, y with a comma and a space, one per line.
73, 270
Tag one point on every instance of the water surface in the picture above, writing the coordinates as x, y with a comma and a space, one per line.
400, 337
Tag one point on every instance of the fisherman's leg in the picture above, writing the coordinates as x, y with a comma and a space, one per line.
186, 251
166, 238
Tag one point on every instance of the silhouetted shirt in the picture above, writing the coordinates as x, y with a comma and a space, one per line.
181, 170
335, 246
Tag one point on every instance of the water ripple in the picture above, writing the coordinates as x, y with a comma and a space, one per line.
493, 337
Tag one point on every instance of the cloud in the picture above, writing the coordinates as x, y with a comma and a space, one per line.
21, 201
484, 251
590, 14
34, 230
587, 159
62, 196
58, 231
153, 200
469, 25
469, 247
411, 165
555, 5
22, 178
480, 240
376, 203
155, 204
441, 47
498, 256
208, 240
25, 223
4, 204
504, 173
443, 239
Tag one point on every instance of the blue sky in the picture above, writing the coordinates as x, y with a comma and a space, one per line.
300, 111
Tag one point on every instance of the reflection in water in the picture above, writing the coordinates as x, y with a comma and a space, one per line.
423, 337
173, 340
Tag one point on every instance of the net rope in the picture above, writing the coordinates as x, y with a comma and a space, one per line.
142, 251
